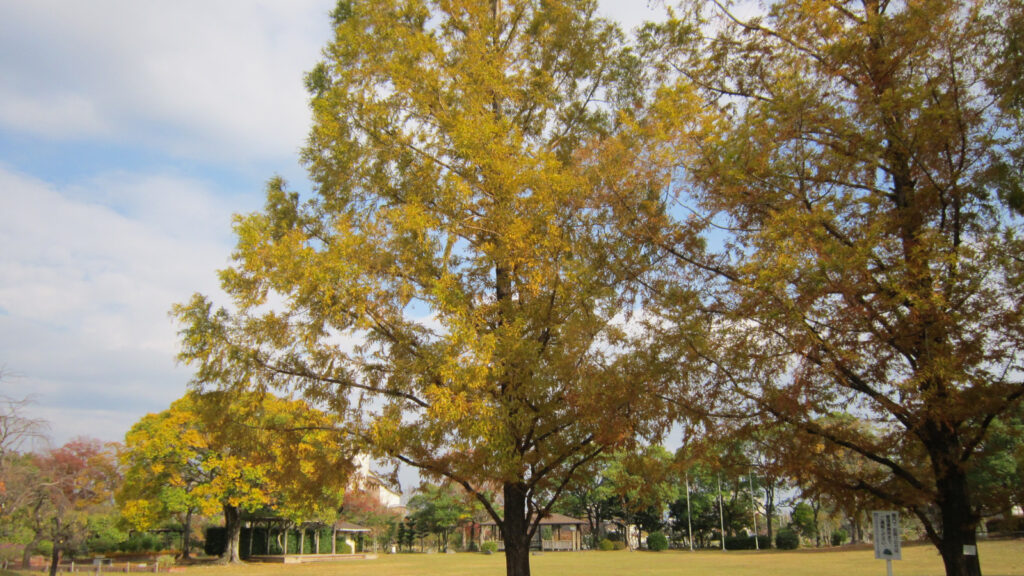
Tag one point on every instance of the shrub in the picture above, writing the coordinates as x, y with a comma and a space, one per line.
618, 545
787, 539
216, 541
839, 537
141, 542
164, 562
489, 547
656, 542
746, 542
606, 545
473, 547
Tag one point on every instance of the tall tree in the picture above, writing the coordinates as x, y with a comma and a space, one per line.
463, 154
641, 483
590, 499
164, 464
16, 429
72, 480
859, 161
233, 453
439, 509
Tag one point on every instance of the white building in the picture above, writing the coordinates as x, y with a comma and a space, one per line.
372, 483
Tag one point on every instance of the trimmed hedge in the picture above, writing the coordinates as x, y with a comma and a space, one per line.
606, 545
489, 547
216, 540
747, 542
656, 542
787, 539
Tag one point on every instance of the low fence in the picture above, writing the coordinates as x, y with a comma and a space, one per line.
546, 545
91, 567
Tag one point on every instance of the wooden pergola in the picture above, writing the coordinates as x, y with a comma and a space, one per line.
267, 539
566, 533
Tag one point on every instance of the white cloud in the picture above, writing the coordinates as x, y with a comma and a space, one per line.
91, 267
212, 80
51, 115
86, 287
630, 14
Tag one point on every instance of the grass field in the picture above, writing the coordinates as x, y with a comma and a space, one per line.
998, 558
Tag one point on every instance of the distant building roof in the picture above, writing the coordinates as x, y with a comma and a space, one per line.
550, 520
343, 526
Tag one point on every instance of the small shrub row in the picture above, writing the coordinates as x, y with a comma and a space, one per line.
746, 543
787, 539
489, 547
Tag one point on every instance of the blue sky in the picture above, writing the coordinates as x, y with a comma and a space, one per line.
130, 132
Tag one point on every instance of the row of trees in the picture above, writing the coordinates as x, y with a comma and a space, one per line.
729, 494
206, 456
61, 497
215, 453
552, 242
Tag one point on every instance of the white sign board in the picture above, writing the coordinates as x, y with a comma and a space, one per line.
887, 535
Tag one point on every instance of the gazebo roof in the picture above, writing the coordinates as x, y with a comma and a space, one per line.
343, 526
552, 519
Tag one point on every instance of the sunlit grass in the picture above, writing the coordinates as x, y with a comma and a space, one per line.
998, 558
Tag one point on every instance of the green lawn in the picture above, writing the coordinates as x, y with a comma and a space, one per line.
1000, 558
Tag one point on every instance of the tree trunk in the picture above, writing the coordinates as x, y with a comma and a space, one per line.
769, 508
58, 543
26, 556
816, 507
233, 532
515, 531
37, 535
55, 559
186, 537
959, 524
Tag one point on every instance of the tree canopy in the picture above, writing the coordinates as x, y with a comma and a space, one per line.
813, 211
853, 178
471, 161
234, 453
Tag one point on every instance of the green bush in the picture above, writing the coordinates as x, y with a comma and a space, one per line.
746, 543
104, 534
216, 541
489, 547
164, 562
44, 548
839, 537
141, 542
618, 545
656, 542
606, 545
787, 539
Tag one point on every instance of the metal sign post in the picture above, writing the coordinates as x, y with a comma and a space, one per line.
887, 537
